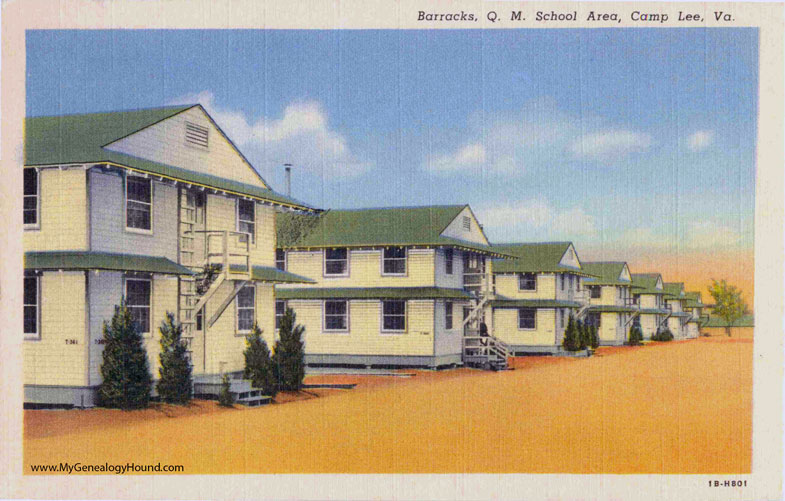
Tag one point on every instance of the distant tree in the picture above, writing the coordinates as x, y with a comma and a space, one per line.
225, 397
259, 366
175, 384
288, 354
728, 303
126, 380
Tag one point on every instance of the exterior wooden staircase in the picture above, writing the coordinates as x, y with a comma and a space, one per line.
486, 352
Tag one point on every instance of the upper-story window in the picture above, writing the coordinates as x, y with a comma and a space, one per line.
561, 277
246, 217
138, 203
527, 318
336, 262
572, 283
32, 306
449, 255
394, 261
197, 135
31, 188
527, 281
137, 299
280, 259
596, 291
246, 309
393, 316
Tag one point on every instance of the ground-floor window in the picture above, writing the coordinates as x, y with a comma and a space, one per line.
138, 292
32, 301
280, 311
246, 309
336, 316
527, 318
448, 315
393, 316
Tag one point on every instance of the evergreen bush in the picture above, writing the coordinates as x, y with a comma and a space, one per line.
595, 338
125, 371
225, 397
175, 384
571, 340
583, 335
288, 354
662, 335
259, 366
635, 337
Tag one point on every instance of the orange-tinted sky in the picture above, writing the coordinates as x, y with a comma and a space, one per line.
696, 269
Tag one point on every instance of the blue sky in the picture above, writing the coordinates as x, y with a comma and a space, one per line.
613, 138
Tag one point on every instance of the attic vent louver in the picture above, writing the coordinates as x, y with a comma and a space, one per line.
467, 223
196, 134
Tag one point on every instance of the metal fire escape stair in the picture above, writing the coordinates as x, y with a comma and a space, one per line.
487, 352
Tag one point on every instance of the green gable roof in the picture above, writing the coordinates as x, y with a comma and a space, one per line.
646, 283
372, 293
673, 290
407, 226
693, 300
608, 273
80, 139
89, 260
535, 257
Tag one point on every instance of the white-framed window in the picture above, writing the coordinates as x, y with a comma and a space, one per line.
246, 309
246, 217
596, 291
31, 198
561, 277
138, 204
32, 306
336, 316
394, 261
197, 135
449, 255
280, 311
138, 295
336, 262
280, 259
527, 318
393, 316
448, 315
527, 281
199, 320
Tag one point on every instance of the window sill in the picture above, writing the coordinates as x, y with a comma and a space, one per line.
139, 231
395, 274
332, 333
527, 328
31, 227
392, 333
336, 276
32, 337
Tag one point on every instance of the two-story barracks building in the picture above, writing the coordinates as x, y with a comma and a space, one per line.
535, 292
392, 285
131, 205
612, 306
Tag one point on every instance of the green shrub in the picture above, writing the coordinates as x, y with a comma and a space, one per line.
584, 335
259, 366
571, 341
289, 355
225, 397
635, 337
126, 380
595, 337
175, 384
662, 335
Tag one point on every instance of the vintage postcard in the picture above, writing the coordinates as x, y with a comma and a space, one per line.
391, 250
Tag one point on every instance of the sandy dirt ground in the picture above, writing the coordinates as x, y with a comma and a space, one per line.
679, 407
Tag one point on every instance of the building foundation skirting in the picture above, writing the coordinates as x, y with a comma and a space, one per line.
539, 349
430, 361
65, 396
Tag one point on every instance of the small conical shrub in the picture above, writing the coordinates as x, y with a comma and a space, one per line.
289, 355
583, 335
662, 334
125, 373
635, 336
258, 364
595, 337
225, 397
571, 340
175, 384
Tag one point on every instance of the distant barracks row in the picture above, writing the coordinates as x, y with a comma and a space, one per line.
136, 205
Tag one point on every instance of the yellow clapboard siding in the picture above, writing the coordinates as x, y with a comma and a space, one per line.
608, 330
164, 299
505, 327
62, 211
222, 216
365, 269
507, 286
365, 336
49, 360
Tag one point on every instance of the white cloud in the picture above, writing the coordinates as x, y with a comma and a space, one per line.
467, 157
302, 136
700, 140
708, 235
535, 220
610, 144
